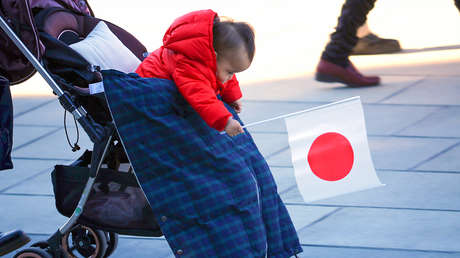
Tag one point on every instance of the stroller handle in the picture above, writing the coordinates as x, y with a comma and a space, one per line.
78, 112
32, 59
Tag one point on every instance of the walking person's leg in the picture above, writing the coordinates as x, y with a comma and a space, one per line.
334, 65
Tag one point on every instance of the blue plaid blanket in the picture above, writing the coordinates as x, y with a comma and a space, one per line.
213, 195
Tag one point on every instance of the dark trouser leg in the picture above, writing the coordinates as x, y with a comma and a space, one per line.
457, 3
6, 124
353, 15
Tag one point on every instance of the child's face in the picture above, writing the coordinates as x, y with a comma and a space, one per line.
234, 62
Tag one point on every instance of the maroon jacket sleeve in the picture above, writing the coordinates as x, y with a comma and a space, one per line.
231, 91
197, 90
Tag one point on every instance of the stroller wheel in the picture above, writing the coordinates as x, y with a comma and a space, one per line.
112, 243
84, 241
33, 252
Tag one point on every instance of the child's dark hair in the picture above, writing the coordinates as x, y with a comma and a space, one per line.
230, 35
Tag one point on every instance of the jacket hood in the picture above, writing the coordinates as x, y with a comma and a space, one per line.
191, 35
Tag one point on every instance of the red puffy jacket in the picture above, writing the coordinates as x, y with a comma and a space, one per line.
187, 57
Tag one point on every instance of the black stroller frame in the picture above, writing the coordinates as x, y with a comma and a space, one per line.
101, 136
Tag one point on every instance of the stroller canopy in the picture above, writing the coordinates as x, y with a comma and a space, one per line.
18, 15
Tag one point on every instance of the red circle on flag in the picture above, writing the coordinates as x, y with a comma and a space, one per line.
331, 157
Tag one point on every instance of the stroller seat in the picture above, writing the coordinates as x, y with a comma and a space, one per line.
70, 27
77, 185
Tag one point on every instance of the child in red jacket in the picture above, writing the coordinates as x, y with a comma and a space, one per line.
212, 195
202, 54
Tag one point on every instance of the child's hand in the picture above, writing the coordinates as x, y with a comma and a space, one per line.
236, 105
233, 127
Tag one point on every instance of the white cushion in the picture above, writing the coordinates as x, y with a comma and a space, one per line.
102, 48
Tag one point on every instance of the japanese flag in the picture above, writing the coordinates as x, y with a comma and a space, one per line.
329, 148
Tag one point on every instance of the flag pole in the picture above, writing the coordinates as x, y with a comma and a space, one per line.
302, 111
299, 112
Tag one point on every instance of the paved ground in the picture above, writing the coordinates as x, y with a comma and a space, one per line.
412, 121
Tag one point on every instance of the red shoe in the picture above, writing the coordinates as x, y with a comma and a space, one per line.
330, 72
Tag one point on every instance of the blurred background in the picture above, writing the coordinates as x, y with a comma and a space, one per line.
291, 34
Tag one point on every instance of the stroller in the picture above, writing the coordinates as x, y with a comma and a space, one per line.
98, 192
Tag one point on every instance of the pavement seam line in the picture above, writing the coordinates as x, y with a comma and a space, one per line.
321, 219
368, 207
288, 189
41, 159
436, 155
277, 152
38, 138
415, 136
24, 194
401, 90
34, 108
419, 171
25, 179
43, 126
381, 248
421, 119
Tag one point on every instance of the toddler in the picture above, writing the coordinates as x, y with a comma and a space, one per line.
212, 195
202, 56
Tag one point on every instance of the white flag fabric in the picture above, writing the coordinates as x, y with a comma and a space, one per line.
330, 152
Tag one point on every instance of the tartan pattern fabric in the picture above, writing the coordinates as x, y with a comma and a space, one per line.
213, 195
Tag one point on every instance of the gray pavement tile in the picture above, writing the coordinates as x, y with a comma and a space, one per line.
309, 90
431, 91
55, 146
445, 122
270, 143
293, 196
142, 247
412, 190
388, 119
282, 159
32, 214
26, 134
380, 228
302, 216
347, 252
284, 178
24, 169
41, 185
447, 161
401, 153
24, 104
51, 114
